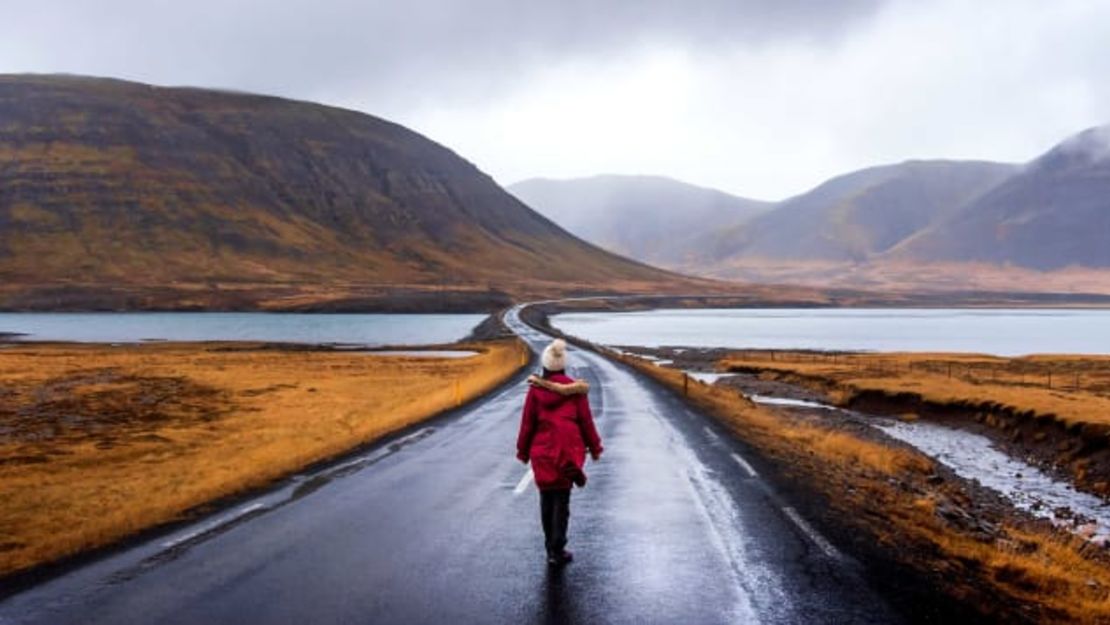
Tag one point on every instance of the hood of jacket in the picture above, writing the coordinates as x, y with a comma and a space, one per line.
551, 399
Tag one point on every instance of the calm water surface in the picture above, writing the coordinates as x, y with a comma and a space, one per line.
994, 331
370, 329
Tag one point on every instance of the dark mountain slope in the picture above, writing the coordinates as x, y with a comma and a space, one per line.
105, 182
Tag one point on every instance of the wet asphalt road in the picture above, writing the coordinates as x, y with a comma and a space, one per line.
441, 526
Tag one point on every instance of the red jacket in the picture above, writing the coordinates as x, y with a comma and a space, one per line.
556, 430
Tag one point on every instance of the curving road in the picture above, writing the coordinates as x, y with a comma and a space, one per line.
441, 526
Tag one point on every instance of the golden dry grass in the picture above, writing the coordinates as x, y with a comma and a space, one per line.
1074, 388
761, 426
1027, 571
99, 442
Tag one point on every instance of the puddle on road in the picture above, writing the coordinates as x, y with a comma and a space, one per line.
974, 456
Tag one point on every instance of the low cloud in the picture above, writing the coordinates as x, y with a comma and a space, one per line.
760, 98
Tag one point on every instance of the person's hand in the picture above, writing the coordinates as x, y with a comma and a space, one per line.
535, 380
521, 456
596, 455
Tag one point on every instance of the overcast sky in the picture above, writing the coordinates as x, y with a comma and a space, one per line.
760, 98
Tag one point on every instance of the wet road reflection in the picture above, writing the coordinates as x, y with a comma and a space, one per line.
671, 529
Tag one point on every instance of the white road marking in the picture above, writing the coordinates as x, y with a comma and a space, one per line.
744, 464
719, 513
817, 539
170, 544
523, 483
711, 434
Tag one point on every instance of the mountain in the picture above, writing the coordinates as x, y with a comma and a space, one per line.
856, 216
1054, 213
118, 194
650, 218
915, 226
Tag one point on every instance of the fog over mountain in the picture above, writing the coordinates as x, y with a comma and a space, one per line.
1054, 213
858, 215
649, 218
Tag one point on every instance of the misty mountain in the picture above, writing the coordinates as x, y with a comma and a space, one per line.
1054, 213
853, 217
106, 183
650, 218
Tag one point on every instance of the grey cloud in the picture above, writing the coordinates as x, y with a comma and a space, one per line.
395, 51
763, 98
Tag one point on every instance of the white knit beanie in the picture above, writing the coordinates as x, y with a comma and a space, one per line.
554, 356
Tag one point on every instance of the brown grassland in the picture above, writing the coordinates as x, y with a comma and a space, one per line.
98, 442
895, 498
1075, 389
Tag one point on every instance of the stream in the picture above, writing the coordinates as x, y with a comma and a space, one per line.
974, 457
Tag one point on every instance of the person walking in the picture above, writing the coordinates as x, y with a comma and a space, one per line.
556, 430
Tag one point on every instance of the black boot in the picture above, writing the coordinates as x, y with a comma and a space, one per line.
555, 510
559, 559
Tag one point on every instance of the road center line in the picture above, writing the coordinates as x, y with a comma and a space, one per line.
817, 539
711, 434
523, 483
744, 464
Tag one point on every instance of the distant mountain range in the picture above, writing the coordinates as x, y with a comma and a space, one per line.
1053, 213
935, 224
858, 215
654, 219
116, 194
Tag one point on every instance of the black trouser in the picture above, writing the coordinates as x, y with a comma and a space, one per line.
555, 515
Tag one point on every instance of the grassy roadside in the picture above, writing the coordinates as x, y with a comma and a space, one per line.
1054, 407
904, 505
901, 503
1074, 389
99, 442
